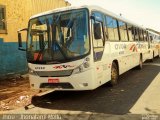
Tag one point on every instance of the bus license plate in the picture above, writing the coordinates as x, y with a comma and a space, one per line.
53, 80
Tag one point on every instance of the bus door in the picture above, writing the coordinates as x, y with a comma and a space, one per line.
98, 45
148, 40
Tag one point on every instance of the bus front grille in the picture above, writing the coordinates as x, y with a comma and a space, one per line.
56, 85
54, 73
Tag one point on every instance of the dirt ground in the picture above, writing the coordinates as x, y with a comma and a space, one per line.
15, 92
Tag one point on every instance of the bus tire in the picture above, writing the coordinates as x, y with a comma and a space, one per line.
114, 74
140, 66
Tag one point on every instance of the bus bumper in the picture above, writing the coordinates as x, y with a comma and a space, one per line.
80, 81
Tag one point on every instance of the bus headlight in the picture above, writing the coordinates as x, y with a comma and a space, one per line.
83, 67
86, 64
78, 69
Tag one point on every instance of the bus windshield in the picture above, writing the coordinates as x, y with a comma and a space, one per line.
58, 37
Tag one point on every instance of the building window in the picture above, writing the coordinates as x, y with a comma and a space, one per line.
3, 19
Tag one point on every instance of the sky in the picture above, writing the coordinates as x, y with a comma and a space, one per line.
143, 12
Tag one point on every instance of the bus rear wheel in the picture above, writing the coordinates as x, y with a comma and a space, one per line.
114, 74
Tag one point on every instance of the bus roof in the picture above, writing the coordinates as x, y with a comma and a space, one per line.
90, 8
154, 33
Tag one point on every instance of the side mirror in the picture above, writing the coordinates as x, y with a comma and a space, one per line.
97, 31
19, 40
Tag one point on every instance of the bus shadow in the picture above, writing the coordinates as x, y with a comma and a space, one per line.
105, 99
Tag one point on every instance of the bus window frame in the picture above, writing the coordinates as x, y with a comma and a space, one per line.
132, 32
92, 34
125, 30
105, 15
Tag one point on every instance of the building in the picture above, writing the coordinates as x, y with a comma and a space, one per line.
14, 15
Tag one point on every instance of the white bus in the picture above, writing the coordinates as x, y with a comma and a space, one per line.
155, 44
82, 48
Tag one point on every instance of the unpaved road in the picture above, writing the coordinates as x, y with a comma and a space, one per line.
15, 92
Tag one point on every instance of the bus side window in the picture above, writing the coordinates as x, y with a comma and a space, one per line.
123, 31
98, 44
105, 28
99, 19
148, 40
141, 35
130, 32
151, 38
136, 34
112, 29
145, 35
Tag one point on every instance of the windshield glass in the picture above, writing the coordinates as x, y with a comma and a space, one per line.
58, 37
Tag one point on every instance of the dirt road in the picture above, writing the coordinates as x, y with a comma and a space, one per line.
15, 92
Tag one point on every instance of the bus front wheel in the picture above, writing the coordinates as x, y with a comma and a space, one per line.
114, 74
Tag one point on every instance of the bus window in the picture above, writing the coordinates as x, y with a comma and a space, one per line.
145, 35
141, 35
115, 28
98, 44
123, 31
99, 19
112, 29
130, 32
151, 38
136, 34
